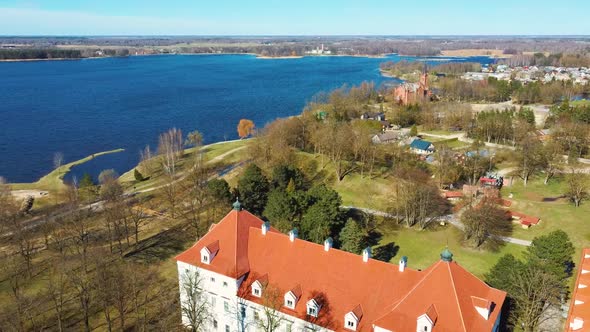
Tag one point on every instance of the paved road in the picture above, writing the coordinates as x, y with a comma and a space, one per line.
450, 218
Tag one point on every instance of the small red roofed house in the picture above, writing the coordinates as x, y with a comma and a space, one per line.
578, 318
242, 258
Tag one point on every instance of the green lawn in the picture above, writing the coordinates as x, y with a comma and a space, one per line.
423, 248
556, 212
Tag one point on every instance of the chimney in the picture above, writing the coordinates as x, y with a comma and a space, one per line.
328, 244
265, 227
366, 254
402, 263
293, 235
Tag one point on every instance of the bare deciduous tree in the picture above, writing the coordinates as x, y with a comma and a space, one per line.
194, 305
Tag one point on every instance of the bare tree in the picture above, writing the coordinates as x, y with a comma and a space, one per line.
170, 148
194, 305
272, 301
58, 159
486, 222
536, 293
578, 186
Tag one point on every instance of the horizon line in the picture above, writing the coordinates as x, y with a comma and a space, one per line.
306, 35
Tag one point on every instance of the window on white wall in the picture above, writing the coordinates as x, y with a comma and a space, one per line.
212, 279
225, 306
225, 284
205, 259
290, 304
227, 328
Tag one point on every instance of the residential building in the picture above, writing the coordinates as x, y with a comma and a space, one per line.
578, 318
244, 263
422, 147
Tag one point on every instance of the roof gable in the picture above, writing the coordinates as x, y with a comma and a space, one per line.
420, 144
229, 239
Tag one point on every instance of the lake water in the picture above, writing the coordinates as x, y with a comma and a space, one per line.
86, 106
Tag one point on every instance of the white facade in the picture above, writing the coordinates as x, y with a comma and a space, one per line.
230, 313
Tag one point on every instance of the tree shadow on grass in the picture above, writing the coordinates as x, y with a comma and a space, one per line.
386, 252
161, 246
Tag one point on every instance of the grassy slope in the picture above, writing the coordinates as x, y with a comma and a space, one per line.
556, 212
54, 180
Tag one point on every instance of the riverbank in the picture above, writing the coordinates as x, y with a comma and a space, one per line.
54, 180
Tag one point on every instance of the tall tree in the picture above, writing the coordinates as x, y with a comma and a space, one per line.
170, 148
352, 237
578, 186
486, 222
281, 209
553, 252
194, 305
253, 188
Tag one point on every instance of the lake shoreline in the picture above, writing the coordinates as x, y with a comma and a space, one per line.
258, 56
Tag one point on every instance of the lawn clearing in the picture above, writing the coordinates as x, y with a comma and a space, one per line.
423, 248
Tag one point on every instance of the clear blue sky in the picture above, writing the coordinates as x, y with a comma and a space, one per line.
294, 17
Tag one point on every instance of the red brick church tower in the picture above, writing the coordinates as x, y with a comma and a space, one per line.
411, 93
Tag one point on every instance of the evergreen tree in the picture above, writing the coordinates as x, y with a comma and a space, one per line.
499, 275
281, 209
86, 181
138, 176
553, 252
220, 191
352, 237
253, 189
282, 175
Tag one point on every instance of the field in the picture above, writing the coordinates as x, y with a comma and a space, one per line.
423, 248
556, 212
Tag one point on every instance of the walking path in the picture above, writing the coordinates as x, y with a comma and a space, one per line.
450, 218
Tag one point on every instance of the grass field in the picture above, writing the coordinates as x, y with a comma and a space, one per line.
423, 248
556, 212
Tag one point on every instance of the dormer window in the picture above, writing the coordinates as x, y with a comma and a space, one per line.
292, 296
258, 285
209, 252
313, 308
352, 318
426, 322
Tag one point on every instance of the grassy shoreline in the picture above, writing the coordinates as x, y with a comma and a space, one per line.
54, 180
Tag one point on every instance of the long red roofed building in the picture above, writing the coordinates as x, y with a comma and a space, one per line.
578, 318
243, 264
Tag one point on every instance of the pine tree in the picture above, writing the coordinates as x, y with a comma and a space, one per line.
352, 237
253, 188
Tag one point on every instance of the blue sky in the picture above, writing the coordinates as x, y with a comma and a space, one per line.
290, 17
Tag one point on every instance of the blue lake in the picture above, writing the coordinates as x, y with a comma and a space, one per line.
86, 106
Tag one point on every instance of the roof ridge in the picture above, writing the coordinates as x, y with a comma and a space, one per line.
374, 261
411, 290
456, 295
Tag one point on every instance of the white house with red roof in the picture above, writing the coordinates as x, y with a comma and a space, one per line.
241, 260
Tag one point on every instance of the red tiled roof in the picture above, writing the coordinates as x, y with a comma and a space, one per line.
453, 194
375, 291
581, 311
358, 312
524, 219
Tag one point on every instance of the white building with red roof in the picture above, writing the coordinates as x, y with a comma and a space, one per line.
578, 318
241, 260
